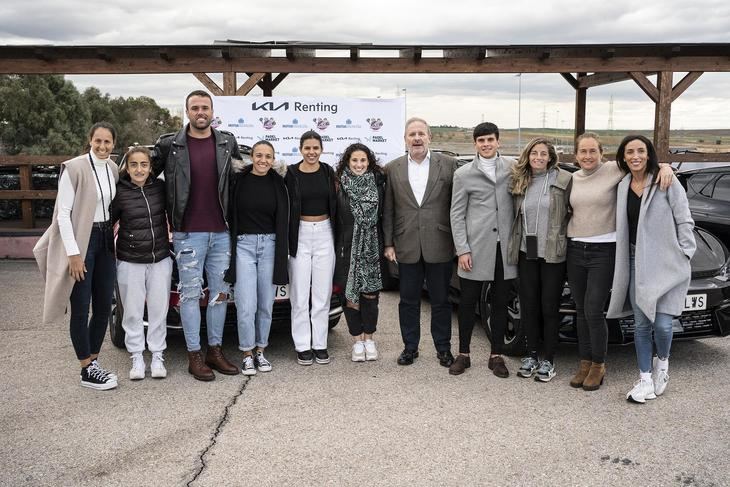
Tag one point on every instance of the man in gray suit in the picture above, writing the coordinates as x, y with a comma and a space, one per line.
418, 238
481, 220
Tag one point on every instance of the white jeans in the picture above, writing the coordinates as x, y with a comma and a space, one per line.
312, 269
140, 283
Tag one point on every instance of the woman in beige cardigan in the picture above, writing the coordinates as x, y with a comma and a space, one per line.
76, 253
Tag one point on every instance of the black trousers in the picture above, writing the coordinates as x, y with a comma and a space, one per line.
364, 319
87, 335
541, 286
438, 276
469, 298
590, 275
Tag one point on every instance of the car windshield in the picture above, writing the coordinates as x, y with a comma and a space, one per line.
710, 254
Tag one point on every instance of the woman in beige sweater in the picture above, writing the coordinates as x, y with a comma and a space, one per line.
591, 252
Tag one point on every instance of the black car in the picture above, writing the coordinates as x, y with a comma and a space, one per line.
708, 192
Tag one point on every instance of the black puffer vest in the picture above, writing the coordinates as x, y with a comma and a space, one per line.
142, 237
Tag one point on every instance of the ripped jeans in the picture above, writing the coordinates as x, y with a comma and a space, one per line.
195, 252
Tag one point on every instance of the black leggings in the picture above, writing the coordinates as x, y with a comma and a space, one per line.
365, 319
541, 285
469, 297
590, 275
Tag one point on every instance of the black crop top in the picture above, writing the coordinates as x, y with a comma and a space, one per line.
256, 205
315, 193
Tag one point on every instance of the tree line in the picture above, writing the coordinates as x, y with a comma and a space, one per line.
47, 115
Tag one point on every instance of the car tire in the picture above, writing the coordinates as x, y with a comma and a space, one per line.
515, 340
116, 332
333, 321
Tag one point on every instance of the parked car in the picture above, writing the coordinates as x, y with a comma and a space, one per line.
281, 313
708, 192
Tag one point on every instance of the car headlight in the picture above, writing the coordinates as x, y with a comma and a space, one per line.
724, 273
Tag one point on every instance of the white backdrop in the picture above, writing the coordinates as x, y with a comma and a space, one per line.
377, 123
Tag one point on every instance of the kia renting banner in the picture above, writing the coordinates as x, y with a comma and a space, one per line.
377, 123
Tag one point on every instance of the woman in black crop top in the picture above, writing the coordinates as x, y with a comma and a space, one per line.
313, 203
259, 213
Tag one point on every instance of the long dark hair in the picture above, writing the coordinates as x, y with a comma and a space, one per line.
351, 149
310, 134
652, 161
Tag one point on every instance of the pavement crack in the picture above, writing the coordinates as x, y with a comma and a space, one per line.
218, 429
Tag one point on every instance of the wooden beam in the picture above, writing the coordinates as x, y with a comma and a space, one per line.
266, 85
229, 83
295, 64
580, 109
27, 194
599, 79
571, 80
26, 206
354, 54
692, 157
685, 83
209, 83
646, 85
662, 115
279, 78
250, 83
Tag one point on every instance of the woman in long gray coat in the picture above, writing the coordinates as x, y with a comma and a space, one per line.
654, 246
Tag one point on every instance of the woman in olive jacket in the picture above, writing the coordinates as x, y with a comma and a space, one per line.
538, 245
359, 230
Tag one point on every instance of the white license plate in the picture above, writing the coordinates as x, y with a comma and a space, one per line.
694, 302
281, 293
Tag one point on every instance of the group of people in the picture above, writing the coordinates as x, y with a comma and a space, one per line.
246, 228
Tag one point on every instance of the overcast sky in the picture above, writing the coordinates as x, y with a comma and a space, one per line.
455, 99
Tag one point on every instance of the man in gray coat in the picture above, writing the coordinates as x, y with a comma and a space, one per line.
418, 238
481, 221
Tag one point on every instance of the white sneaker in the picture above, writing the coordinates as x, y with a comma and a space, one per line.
371, 353
358, 351
138, 367
248, 367
157, 367
643, 390
660, 377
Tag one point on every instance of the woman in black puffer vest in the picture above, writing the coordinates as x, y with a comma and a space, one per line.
144, 266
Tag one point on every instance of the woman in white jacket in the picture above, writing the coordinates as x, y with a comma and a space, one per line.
654, 244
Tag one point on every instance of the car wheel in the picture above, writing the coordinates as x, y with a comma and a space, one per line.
116, 332
515, 340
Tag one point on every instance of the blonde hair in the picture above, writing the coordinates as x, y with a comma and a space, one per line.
522, 173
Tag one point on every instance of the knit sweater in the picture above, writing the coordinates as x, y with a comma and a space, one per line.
593, 200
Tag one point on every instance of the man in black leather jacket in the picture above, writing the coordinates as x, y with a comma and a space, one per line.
197, 165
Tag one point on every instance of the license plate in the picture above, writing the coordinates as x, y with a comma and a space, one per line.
694, 302
281, 293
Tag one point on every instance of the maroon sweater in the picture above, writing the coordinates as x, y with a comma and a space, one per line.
203, 212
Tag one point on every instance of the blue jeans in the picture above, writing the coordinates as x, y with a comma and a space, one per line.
97, 287
254, 289
662, 328
195, 252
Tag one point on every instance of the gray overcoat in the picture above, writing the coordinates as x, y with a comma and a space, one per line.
479, 219
419, 231
665, 244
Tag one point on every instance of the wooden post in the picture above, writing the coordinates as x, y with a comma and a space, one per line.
229, 83
266, 85
580, 110
662, 115
26, 183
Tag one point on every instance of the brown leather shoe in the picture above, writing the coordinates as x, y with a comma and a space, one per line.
497, 365
461, 363
580, 376
197, 367
217, 361
595, 376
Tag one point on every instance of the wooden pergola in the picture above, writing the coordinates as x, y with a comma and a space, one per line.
265, 65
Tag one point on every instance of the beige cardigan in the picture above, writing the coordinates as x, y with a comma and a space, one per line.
50, 252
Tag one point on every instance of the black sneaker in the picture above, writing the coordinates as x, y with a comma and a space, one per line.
305, 358
321, 356
97, 378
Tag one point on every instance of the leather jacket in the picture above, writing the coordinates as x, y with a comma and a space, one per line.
171, 155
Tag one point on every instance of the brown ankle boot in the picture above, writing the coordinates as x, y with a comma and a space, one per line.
595, 377
197, 367
217, 361
580, 376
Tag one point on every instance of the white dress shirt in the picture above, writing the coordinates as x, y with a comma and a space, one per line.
418, 176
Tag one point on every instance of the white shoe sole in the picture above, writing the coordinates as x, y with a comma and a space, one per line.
545, 378
136, 376
99, 387
248, 371
358, 358
322, 361
522, 374
371, 357
640, 400
158, 374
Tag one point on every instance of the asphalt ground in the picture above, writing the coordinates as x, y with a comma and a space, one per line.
348, 423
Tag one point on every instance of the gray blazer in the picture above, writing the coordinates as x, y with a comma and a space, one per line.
481, 214
664, 245
419, 231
